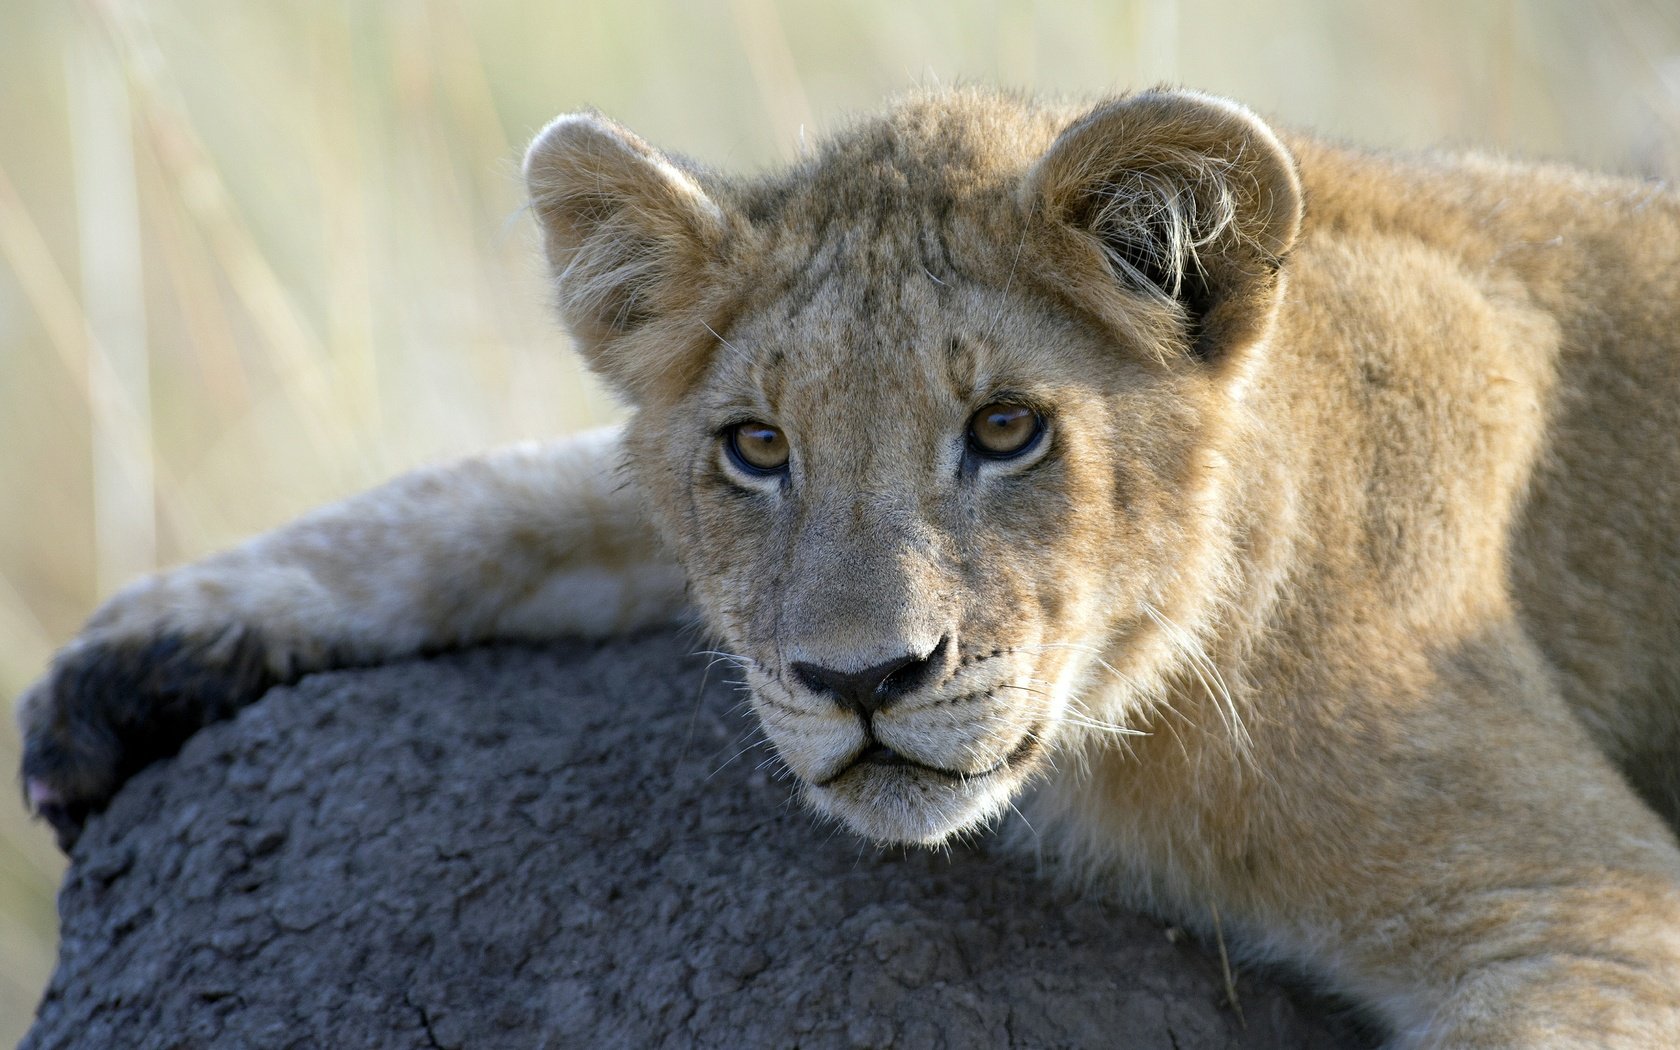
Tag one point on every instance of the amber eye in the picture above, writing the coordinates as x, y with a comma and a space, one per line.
757, 448
1002, 431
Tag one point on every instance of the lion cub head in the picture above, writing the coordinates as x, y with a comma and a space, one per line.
933, 419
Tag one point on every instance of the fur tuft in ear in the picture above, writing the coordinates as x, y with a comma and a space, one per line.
631, 238
1187, 199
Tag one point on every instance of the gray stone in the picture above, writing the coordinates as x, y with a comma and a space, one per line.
568, 847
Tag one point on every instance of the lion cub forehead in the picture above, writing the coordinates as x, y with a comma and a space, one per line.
892, 254
963, 349
890, 261
927, 190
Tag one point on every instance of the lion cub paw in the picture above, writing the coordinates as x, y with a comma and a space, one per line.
111, 705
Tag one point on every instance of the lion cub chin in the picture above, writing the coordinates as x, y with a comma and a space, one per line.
1303, 523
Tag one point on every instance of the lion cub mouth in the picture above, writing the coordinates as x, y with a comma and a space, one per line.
882, 755
875, 754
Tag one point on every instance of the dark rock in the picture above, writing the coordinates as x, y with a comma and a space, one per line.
578, 847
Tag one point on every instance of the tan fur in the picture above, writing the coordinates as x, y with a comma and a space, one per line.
1342, 595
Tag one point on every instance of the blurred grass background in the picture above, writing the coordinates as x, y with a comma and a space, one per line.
256, 256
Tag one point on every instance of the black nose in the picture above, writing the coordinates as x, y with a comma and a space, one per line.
873, 688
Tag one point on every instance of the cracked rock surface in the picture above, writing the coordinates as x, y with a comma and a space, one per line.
512, 847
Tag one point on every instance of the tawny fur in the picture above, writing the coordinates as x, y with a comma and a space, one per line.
1341, 597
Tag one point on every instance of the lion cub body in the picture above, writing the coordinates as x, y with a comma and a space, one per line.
1460, 483
1516, 407
1335, 596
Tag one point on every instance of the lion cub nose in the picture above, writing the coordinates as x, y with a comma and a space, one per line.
873, 688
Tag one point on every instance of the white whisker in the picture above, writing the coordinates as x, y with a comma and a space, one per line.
736, 755
1207, 675
737, 351
1102, 727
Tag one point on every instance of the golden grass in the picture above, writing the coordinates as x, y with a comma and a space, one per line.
256, 256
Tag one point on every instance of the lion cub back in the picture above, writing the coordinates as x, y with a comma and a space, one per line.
1584, 270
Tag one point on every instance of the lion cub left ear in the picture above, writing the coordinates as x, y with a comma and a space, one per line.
1184, 201
632, 240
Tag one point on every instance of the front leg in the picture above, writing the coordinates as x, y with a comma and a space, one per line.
530, 542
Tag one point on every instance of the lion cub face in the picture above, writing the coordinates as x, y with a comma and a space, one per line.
930, 421
894, 516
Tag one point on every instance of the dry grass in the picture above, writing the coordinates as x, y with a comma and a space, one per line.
255, 256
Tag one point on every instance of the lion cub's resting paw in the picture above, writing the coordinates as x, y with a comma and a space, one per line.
112, 705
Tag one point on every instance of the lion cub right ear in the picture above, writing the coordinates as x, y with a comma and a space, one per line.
631, 238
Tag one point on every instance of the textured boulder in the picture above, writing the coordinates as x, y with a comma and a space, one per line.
581, 847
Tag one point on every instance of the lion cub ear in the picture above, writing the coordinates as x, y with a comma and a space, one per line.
631, 238
1185, 199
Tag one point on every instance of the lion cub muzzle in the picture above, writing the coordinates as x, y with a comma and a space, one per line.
910, 748
868, 692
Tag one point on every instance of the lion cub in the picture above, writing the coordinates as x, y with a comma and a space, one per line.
1307, 522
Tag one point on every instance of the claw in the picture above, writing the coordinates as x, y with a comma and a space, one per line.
65, 818
39, 794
